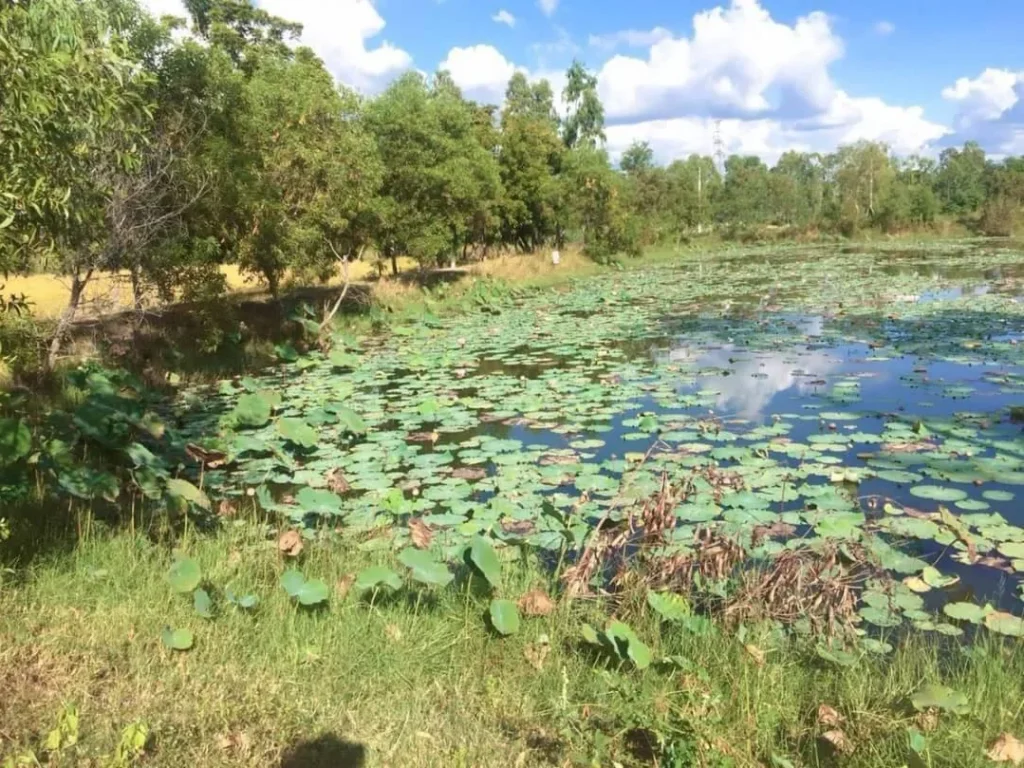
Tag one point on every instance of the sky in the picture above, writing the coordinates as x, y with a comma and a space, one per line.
772, 75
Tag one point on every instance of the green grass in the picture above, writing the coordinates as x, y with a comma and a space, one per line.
420, 680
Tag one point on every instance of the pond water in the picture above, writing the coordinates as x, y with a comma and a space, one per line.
849, 396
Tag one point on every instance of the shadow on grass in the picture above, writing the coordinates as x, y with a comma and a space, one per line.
325, 751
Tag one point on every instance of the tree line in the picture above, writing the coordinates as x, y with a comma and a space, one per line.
168, 148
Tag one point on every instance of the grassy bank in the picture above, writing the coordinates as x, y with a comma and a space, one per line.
419, 678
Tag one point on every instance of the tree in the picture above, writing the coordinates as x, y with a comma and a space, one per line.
529, 160
583, 125
313, 171
960, 181
595, 204
746, 194
693, 190
637, 159
69, 97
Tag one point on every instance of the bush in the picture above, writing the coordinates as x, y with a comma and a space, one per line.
999, 218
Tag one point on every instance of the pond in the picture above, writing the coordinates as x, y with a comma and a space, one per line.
865, 395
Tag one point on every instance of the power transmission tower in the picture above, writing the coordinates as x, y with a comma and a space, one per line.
719, 148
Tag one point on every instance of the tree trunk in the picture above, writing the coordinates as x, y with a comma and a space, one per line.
136, 277
394, 265
67, 317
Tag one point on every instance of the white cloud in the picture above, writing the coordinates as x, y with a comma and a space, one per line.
739, 61
990, 110
548, 7
160, 8
884, 28
630, 38
848, 119
481, 71
338, 31
504, 17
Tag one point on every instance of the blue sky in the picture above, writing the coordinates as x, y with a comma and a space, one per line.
779, 74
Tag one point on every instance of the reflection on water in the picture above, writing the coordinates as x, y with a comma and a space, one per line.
747, 383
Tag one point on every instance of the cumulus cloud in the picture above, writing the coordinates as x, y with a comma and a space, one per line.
504, 17
160, 8
990, 110
884, 28
548, 7
339, 31
848, 119
481, 71
739, 61
630, 38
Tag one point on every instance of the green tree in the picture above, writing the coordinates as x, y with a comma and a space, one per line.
960, 181
529, 160
583, 125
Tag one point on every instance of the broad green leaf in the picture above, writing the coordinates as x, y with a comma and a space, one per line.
483, 556
313, 592
177, 639
504, 616
351, 421
621, 634
1005, 624
297, 431
938, 493
941, 697
252, 410
425, 568
183, 489
377, 576
670, 606
185, 575
292, 581
965, 612
202, 604
15, 441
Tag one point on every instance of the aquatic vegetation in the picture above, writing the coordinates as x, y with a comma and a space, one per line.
797, 399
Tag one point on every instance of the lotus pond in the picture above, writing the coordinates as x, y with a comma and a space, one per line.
843, 397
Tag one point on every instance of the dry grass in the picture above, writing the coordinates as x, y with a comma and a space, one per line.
534, 266
111, 292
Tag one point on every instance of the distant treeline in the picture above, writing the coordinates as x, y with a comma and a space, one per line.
167, 148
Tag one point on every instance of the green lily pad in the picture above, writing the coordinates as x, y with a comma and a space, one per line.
504, 617
377, 576
185, 575
177, 639
425, 568
483, 556
942, 698
938, 493
965, 612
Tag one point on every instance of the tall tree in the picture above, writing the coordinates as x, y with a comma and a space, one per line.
583, 125
960, 182
529, 161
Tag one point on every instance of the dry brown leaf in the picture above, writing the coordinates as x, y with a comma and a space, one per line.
1006, 749
755, 653
927, 721
290, 543
423, 437
420, 533
344, 585
518, 527
829, 717
336, 481
226, 508
209, 458
536, 654
536, 603
469, 473
236, 741
839, 740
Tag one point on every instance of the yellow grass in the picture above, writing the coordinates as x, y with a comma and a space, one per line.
111, 292
533, 266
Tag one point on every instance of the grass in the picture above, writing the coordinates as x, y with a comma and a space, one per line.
420, 679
